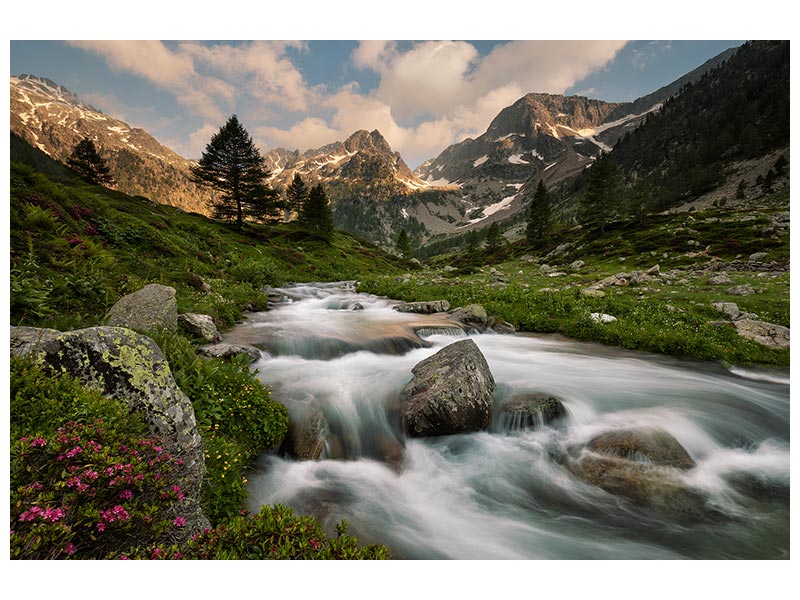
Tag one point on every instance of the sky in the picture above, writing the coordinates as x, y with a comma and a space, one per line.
422, 95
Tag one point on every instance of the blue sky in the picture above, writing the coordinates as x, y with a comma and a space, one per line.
421, 95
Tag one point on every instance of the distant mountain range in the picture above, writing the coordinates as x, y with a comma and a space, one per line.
373, 192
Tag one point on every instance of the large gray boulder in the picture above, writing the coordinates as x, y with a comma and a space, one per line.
131, 368
201, 326
766, 334
427, 308
152, 307
450, 392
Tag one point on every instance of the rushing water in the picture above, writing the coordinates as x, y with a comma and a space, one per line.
498, 493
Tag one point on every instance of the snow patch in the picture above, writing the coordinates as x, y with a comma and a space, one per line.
117, 130
478, 162
442, 182
404, 212
508, 135
491, 209
516, 159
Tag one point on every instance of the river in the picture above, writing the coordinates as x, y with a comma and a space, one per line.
499, 493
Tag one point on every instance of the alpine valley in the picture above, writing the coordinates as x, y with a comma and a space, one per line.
372, 190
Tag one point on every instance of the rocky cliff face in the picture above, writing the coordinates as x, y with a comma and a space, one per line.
365, 160
53, 119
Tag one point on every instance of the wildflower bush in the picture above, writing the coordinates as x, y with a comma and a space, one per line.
275, 532
86, 480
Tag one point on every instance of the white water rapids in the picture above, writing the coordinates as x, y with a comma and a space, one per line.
500, 494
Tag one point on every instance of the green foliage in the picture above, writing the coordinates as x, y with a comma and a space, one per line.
88, 164
235, 417
233, 166
274, 533
76, 250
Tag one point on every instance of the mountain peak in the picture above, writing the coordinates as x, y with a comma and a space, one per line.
367, 140
50, 89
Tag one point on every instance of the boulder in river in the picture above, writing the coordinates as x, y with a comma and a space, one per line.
450, 392
530, 411
644, 465
306, 437
472, 314
427, 308
146, 310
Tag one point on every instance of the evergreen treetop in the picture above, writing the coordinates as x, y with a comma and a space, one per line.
233, 166
87, 162
316, 215
539, 216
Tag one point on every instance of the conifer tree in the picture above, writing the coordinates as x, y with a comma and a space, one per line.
87, 162
538, 216
493, 238
602, 192
316, 215
233, 166
296, 195
403, 246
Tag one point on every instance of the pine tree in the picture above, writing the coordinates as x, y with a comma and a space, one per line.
641, 199
403, 246
233, 166
316, 215
296, 195
602, 192
539, 216
87, 162
493, 238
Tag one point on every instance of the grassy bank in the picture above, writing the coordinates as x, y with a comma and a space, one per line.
671, 313
75, 250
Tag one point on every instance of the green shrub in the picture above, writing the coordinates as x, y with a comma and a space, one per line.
274, 533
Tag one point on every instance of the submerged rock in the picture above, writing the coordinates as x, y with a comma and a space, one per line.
306, 437
530, 411
645, 466
152, 307
450, 392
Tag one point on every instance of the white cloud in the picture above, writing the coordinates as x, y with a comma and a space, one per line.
429, 95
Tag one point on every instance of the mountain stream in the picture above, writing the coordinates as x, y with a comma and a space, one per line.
502, 493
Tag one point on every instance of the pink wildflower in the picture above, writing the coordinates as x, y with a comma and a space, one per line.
69, 548
179, 521
37, 442
101, 526
126, 494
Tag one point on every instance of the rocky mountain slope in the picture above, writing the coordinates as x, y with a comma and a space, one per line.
53, 119
363, 159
